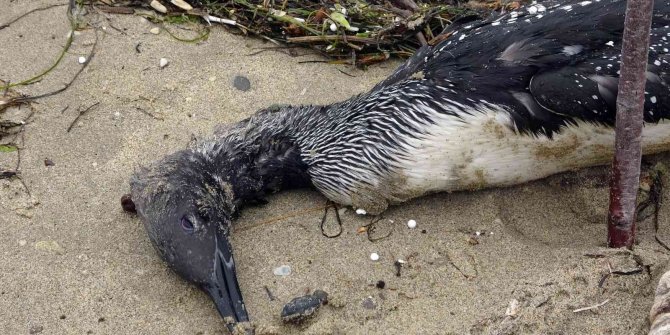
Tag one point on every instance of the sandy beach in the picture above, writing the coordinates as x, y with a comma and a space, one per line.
517, 260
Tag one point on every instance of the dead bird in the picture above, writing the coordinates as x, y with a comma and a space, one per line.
500, 102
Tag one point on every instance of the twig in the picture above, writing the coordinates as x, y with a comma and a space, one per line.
81, 113
115, 28
5, 25
335, 38
313, 61
115, 9
350, 75
270, 295
627, 272
625, 176
457, 268
149, 114
591, 307
7, 174
602, 280
287, 50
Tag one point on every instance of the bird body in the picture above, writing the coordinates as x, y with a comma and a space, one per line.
500, 102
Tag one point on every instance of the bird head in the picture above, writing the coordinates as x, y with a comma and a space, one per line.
187, 211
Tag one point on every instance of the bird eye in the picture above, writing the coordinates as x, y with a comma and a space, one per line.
187, 225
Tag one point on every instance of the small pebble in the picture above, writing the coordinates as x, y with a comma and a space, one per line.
242, 83
333, 27
127, 203
163, 62
369, 303
361, 211
398, 266
155, 30
82, 59
49, 246
381, 284
411, 224
302, 308
513, 308
35, 329
283, 271
321, 295
48, 162
374, 256
478, 233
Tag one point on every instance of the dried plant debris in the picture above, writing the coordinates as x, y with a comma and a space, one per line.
14, 113
352, 31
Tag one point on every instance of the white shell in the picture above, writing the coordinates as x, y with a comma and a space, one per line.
411, 224
374, 256
155, 4
282, 271
181, 4
163, 62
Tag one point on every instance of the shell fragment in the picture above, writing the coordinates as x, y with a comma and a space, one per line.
181, 4
210, 19
158, 6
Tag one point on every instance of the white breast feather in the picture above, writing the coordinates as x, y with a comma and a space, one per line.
481, 150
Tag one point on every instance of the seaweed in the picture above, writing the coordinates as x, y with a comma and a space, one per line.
361, 32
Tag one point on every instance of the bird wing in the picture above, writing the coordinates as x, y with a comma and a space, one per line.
551, 65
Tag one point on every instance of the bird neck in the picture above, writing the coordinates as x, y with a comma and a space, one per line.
257, 156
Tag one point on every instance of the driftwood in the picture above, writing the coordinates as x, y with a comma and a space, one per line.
625, 178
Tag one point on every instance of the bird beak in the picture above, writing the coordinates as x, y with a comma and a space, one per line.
223, 286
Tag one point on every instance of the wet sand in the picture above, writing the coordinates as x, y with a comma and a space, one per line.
73, 262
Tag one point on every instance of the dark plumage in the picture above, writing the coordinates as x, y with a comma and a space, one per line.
500, 102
